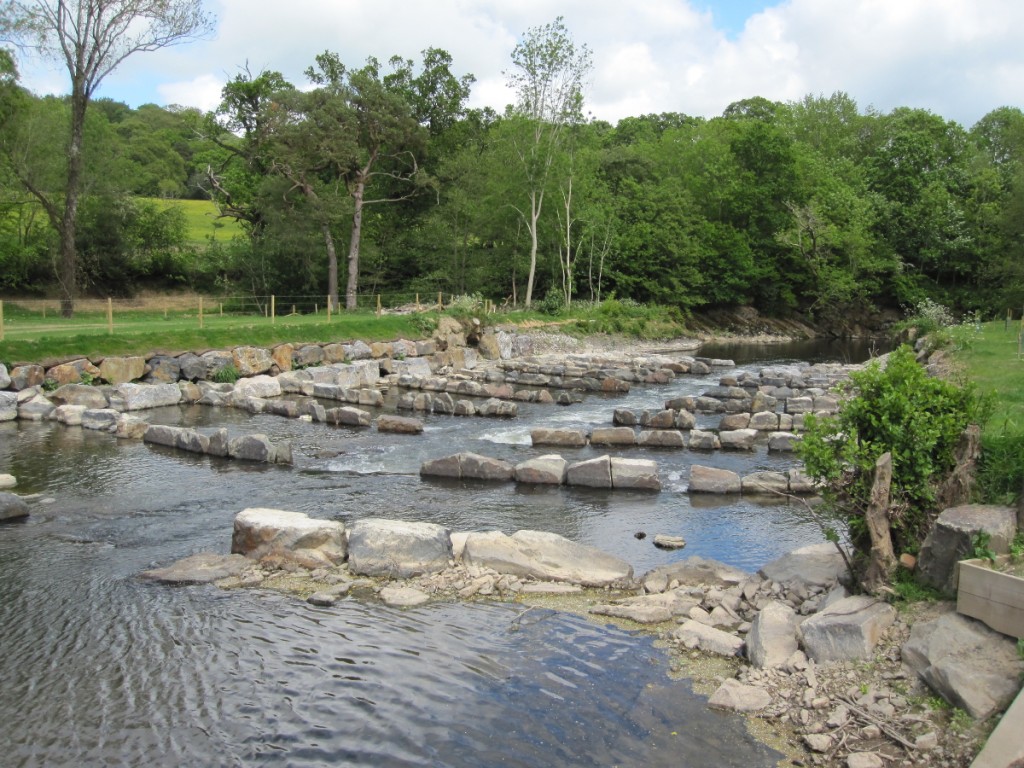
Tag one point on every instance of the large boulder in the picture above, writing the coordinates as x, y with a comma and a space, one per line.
545, 557
36, 408
25, 376
202, 568
5, 378
965, 662
280, 537
256, 386
73, 372
543, 470
137, 397
399, 425
563, 438
8, 406
101, 419
613, 436
251, 361
639, 474
397, 549
477, 467
734, 696
847, 629
702, 440
592, 473
163, 369
661, 438
738, 439
118, 370
694, 571
79, 394
952, 538
772, 637
694, 634
711, 480
252, 448
766, 484
12, 507
817, 567
648, 609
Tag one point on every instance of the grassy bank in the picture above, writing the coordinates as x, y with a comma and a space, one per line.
201, 221
989, 358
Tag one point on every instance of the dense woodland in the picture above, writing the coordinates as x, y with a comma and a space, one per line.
376, 178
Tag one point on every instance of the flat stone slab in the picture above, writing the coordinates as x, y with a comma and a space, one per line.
592, 473
202, 568
711, 480
562, 438
638, 474
734, 696
693, 571
543, 470
848, 629
694, 634
951, 539
817, 566
404, 597
648, 609
397, 549
968, 664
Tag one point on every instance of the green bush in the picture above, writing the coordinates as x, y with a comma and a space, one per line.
899, 409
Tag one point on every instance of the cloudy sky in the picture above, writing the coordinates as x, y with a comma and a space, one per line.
957, 58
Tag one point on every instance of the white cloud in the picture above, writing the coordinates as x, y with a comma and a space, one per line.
958, 58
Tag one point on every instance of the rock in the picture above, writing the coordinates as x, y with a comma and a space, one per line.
130, 427
640, 474
550, 469
69, 414
256, 386
664, 541
163, 369
665, 419
73, 372
397, 549
36, 408
7, 481
952, 538
733, 421
799, 482
282, 356
26, 376
818, 742
447, 466
764, 421
102, 419
701, 440
660, 438
161, 434
710, 480
399, 425
137, 397
8, 406
766, 484
592, 473
544, 556
499, 408
772, 637
202, 568
864, 760
5, 378
403, 597
965, 662
251, 361
307, 355
694, 634
279, 536
693, 571
79, 394
565, 438
816, 566
782, 441
118, 370
12, 507
252, 448
624, 417
848, 629
738, 439
734, 696
347, 415
477, 467
613, 436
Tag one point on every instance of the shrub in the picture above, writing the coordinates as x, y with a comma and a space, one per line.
899, 409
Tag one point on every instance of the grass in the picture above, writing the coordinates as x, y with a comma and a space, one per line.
201, 220
31, 338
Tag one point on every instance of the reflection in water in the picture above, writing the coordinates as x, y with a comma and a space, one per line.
102, 668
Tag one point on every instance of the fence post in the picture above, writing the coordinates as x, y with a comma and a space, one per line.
328, 307
273, 310
417, 302
200, 311
110, 316
378, 305
1, 319
440, 303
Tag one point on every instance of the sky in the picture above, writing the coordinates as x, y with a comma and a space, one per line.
957, 58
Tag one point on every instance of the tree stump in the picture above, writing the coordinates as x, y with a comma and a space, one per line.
882, 559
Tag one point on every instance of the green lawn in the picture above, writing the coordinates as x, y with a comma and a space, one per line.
201, 220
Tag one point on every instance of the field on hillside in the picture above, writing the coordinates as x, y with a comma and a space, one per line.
201, 220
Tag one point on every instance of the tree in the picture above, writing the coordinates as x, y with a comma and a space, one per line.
92, 38
548, 77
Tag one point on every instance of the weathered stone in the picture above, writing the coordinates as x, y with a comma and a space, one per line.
101, 419
660, 438
447, 466
118, 370
307, 355
766, 483
968, 664
489, 347
251, 361
191, 367
764, 422
952, 538
694, 571
640, 474
544, 556
163, 369
130, 427
161, 434
865, 760
613, 436
665, 419
701, 440
733, 421
252, 448
192, 441
403, 597
738, 439
281, 355
202, 568
772, 637
694, 634
12, 507
7, 481
734, 696
399, 424
664, 541
137, 397
711, 480
36, 408
26, 376
219, 443
592, 473
782, 441
796, 405
5, 377
500, 408
358, 350
69, 414
477, 467
563, 438
256, 386
397, 549
73, 372
279, 537
815, 567
624, 417
848, 629
8, 406
550, 469
347, 416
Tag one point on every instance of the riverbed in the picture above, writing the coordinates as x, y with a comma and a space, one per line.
100, 667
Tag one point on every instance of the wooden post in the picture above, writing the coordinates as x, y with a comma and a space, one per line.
417, 302
201, 311
440, 304
378, 305
110, 316
1, 319
273, 310
329, 308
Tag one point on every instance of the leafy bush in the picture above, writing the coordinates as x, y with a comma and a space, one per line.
552, 304
899, 409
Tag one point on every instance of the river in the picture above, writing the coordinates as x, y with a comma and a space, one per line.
99, 667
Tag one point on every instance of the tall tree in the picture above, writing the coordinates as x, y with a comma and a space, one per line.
92, 38
548, 75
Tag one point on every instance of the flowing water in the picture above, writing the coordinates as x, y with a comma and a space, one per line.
99, 667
